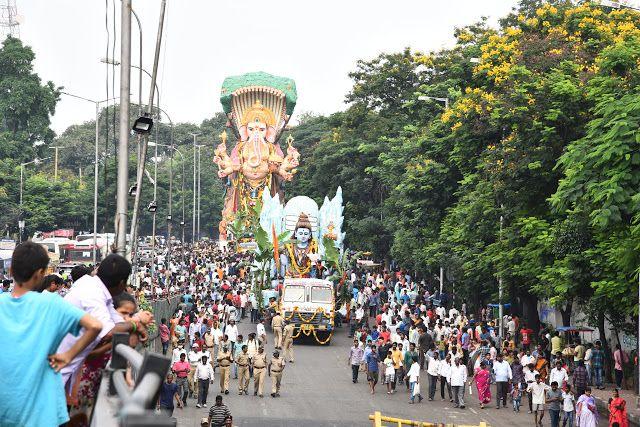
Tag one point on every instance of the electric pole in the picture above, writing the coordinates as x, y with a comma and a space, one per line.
193, 220
123, 144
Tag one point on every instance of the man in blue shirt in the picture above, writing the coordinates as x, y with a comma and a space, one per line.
33, 325
168, 392
372, 368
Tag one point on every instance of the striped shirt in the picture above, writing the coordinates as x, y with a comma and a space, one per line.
218, 415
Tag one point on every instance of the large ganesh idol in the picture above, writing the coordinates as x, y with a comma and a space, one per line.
258, 106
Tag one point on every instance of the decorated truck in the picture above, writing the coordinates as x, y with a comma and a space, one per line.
309, 305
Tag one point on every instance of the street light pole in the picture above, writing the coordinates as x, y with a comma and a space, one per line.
199, 170
193, 224
123, 145
22, 165
95, 169
500, 287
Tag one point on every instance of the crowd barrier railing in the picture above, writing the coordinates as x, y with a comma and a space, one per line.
378, 420
119, 405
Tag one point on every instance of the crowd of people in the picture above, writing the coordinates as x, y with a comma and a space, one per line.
404, 337
401, 330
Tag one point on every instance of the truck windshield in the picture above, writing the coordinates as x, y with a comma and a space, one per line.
293, 294
321, 294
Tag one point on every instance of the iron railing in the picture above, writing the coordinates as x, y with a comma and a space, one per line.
117, 405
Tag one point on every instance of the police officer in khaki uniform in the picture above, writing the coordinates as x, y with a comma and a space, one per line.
277, 322
259, 362
276, 366
224, 363
243, 362
287, 340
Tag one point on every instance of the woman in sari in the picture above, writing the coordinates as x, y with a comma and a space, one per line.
618, 410
586, 410
482, 377
542, 367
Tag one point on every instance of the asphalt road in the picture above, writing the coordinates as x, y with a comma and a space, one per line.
317, 391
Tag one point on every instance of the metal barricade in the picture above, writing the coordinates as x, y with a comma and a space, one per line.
378, 420
119, 406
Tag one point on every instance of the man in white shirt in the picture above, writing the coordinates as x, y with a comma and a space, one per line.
502, 371
527, 359
558, 374
261, 333
537, 391
204, 374
433, 369
175, 354
232, 332
94, 295
457, 379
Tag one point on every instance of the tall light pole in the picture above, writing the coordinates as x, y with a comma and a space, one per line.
95, 169
22, 165
199, 170
193, 225
123, 145
446, 106
145, 139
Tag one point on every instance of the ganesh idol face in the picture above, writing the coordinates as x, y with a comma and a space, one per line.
303, 235
257, 131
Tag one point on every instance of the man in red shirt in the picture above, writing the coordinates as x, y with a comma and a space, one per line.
525, 333
181, 369
385, 334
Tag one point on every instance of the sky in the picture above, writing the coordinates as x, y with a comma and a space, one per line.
315, 43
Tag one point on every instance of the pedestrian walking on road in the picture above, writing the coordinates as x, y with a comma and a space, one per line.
224, 363
458, 378
277, 322
356, 354
168, 393
414, 380
618, 410
503, 375
243, 361
276, 366
554, 404
538, 390
287, 341
482, 378
219, 414
433, 370
259, 363
371, 361
204, 374
181, 369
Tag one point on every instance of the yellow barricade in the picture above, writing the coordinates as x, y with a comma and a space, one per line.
378, 419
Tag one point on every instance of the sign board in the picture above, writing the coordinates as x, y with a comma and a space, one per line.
7, 244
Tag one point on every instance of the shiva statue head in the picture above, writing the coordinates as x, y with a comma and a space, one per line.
302, 233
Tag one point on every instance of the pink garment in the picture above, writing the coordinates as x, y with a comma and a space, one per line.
483, 382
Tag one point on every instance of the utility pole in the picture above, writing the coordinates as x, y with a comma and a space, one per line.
193, 220
55, 162
145, 139
123, 145
199, 170
500, 305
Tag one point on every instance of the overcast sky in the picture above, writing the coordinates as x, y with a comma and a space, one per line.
315, 43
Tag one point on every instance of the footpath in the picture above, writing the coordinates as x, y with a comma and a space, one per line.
602, 400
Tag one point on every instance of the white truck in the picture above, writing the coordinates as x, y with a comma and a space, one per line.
309, 304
